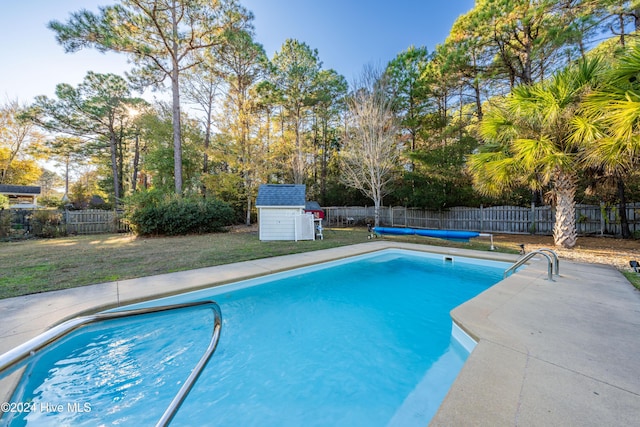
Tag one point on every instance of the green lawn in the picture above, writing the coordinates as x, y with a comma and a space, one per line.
41, 265
633, 277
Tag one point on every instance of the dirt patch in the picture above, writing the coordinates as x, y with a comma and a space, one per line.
243, 228
601, 250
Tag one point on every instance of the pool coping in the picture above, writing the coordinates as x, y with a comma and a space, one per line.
528, 367
561, 353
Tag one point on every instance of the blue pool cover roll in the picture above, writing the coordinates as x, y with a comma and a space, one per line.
440, 234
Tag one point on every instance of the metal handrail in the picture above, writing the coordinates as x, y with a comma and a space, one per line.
526, 258
30, 348
556, 260
177, 401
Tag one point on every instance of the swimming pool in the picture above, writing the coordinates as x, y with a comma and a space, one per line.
366, 341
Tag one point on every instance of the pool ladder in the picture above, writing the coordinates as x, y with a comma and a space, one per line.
547, 253
13, 357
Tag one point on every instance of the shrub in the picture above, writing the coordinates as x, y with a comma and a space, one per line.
51, 202
45, 223
151, 213
5, 222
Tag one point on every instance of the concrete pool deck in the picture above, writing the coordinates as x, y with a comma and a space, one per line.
549, 353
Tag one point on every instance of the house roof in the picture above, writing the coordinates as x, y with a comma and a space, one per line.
19, 189
281, 195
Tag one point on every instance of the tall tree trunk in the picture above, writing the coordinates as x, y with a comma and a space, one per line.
298, 168
248, 218
564, 230
121, 164
66, 178
323, 170
175, 92
476, 88
376, 212
624, 221
114, 167
177, 134
205, 157
622, 33
136, 162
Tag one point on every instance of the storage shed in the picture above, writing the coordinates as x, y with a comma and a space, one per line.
26, 195
280, 209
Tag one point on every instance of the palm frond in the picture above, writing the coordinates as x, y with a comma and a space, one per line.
530, 152
497, 126
493, 173
613, 155
535, 122
584, 131
622, 116
627, 69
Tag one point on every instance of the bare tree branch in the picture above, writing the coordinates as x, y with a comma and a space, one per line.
370, 153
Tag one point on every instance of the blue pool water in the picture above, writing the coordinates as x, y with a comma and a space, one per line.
358, 343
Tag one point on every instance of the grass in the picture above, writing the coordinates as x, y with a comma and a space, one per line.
42, 265
633, 277
34, 266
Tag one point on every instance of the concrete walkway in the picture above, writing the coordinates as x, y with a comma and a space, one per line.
549, 353
563, 353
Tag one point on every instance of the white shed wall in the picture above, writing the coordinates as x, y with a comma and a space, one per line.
277, 223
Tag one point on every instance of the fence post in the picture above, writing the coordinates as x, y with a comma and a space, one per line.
405, 216
532, 224
603, 221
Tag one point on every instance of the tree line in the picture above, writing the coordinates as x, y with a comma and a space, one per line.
520, 103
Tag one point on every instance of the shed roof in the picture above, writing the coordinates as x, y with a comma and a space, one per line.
312, 206
281, 195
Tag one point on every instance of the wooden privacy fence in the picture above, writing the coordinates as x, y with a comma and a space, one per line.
94, 221
590, 219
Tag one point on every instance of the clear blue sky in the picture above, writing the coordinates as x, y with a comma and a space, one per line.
347, 33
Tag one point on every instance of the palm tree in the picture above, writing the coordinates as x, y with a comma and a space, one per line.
610, 121
529, 142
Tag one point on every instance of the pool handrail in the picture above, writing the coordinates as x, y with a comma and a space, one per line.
530, 255
31, 347
556, 261
177, 401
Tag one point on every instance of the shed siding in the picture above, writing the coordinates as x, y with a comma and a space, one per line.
278, 223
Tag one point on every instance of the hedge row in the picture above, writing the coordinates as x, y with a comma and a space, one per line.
153, 214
